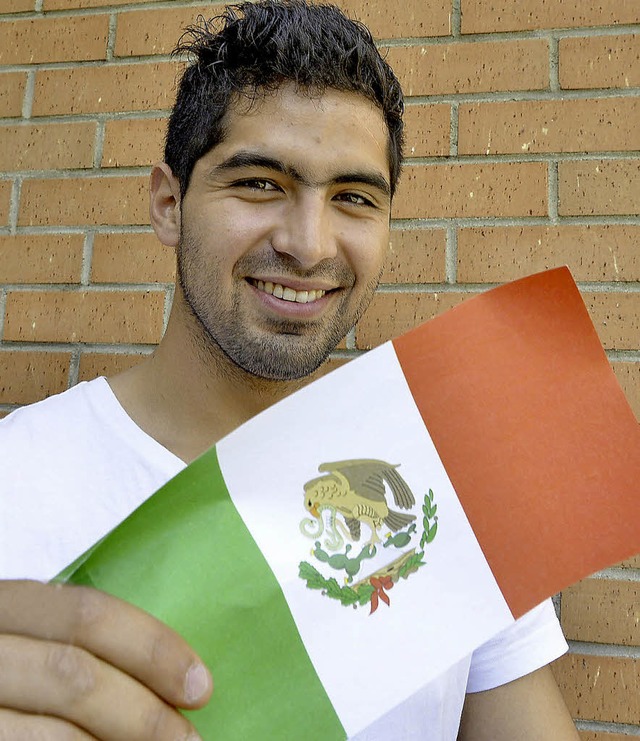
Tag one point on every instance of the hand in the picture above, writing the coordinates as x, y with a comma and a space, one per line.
79, 664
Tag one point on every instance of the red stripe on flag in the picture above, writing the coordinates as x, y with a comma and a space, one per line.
534, 431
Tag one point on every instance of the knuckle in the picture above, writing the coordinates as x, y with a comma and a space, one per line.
89, 608
158, 722
73, 668
163, 656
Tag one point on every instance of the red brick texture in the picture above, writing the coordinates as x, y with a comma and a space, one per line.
522, 149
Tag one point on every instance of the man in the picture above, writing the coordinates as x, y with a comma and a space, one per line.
282, 156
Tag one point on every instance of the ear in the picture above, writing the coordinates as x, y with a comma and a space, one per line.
164, 204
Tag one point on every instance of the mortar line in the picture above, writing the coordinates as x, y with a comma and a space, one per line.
623, 356
350, 339
552, 191
168, 303
454, 129
74, 367
87, 258
111, 38
27, 101
623, 729
610, 650
89, 347
455, 19
554, 64
3, 307
14, 205
348, 354
451, 255
506, 36
91, 288
98, 145
618, 573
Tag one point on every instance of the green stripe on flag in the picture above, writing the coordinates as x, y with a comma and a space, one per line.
186, 557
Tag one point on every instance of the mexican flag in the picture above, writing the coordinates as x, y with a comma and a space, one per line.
335, 554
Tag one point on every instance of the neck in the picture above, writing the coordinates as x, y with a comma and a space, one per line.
187, 397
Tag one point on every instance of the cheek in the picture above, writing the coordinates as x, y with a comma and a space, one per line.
367, 253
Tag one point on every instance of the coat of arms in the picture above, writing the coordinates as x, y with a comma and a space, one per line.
367, 560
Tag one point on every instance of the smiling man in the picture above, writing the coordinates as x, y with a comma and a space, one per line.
282, 156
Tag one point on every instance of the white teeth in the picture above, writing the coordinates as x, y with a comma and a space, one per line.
288, 294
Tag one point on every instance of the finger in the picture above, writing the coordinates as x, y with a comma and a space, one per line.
115, 631
55, 679
16, 726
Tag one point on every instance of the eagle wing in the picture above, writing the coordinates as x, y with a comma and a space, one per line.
367, 477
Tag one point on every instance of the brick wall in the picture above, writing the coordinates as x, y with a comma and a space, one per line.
523, 153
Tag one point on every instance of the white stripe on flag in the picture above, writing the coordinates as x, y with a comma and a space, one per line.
437, 615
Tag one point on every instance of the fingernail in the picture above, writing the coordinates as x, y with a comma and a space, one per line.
196, 682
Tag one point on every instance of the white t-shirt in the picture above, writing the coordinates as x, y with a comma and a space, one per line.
73, 466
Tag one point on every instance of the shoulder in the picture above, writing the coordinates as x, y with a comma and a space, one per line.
74, 466
533, 641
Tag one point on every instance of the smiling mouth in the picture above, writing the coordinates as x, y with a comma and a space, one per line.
287, 294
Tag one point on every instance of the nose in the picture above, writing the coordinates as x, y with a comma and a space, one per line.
305, 231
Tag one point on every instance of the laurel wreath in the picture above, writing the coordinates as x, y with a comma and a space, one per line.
362, 593
429, 521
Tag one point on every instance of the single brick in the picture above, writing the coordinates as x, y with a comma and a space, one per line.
26, 377
604, 688
628, 375
153, 31
46, 146
602, 611
41, 258
488, 66
105, 89
414, 18
616, 316
71, 201
427, 130
131, 142
592, 125
5, 201
68, 4
603, 187
12, 85
36, 40
593, 253
600, 62
84, 316
131, 258
488, 16
94, 364
472, 190
416, 256
393, 314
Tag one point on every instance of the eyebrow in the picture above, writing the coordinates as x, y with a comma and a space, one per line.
254, 159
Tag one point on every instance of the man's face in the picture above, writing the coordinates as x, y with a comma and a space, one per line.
284, 229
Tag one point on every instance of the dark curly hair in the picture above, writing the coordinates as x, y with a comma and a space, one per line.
254, 48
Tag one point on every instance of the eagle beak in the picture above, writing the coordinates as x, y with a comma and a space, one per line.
314, 511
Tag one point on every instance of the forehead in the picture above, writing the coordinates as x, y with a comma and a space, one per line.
315, 133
